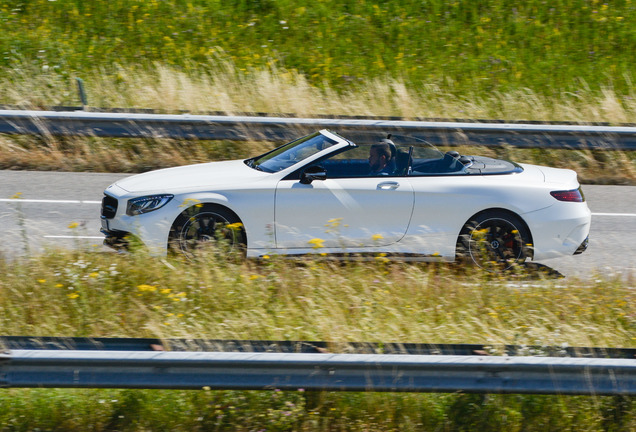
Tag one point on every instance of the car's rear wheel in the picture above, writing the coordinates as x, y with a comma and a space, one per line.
494, 240
207, 227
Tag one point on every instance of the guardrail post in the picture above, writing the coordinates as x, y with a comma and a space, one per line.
5, 358
82, 93
314, 400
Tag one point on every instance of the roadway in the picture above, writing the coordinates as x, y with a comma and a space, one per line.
59, 208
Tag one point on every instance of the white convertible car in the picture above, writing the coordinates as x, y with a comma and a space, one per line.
324, 194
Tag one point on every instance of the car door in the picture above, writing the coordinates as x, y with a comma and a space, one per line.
356, 212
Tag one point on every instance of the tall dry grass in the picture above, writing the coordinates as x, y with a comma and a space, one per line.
223, 87
80, 293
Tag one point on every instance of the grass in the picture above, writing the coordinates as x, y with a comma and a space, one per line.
92, 294
463, 46
130, 410
227, 88
84, 293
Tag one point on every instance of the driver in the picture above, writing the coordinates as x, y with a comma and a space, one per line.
380, 162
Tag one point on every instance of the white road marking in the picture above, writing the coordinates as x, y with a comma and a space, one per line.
74, 237
41, 201
615, 214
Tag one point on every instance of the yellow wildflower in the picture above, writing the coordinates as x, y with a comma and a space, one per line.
317, 243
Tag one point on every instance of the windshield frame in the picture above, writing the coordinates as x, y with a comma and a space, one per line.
290, 155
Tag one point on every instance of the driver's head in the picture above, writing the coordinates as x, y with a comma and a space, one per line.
379, 156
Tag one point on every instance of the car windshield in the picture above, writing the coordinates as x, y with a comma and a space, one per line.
291, 153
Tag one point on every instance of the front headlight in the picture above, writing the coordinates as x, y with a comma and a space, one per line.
147, 204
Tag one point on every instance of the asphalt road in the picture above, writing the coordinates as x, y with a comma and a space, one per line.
63, 209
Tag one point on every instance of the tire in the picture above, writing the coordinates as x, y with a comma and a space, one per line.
494, 240
207, 227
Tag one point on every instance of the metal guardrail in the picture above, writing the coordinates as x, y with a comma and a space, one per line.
240, 128
297, 347
317, 372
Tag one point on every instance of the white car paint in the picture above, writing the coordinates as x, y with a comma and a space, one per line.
349, 212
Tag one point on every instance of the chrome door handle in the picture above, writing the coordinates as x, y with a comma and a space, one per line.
390, 185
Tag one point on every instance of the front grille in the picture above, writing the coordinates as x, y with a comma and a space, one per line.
109, 206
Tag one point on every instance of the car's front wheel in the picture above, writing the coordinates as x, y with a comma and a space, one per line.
494, 240
205, 226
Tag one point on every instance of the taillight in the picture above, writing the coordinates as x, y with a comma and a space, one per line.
575, 195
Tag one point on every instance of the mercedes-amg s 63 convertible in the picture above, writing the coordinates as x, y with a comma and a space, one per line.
323, 193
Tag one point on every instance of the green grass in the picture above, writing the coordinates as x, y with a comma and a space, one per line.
129, 410
83, 293
467, 47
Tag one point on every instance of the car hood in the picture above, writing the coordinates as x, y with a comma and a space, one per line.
192, 177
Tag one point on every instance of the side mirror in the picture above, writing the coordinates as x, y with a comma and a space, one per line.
315, 172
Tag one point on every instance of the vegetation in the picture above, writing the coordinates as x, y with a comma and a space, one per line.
467, 47
93, 294
129, 410
82, 293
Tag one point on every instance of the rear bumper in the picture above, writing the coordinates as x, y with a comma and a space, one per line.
559, 230
583, 246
